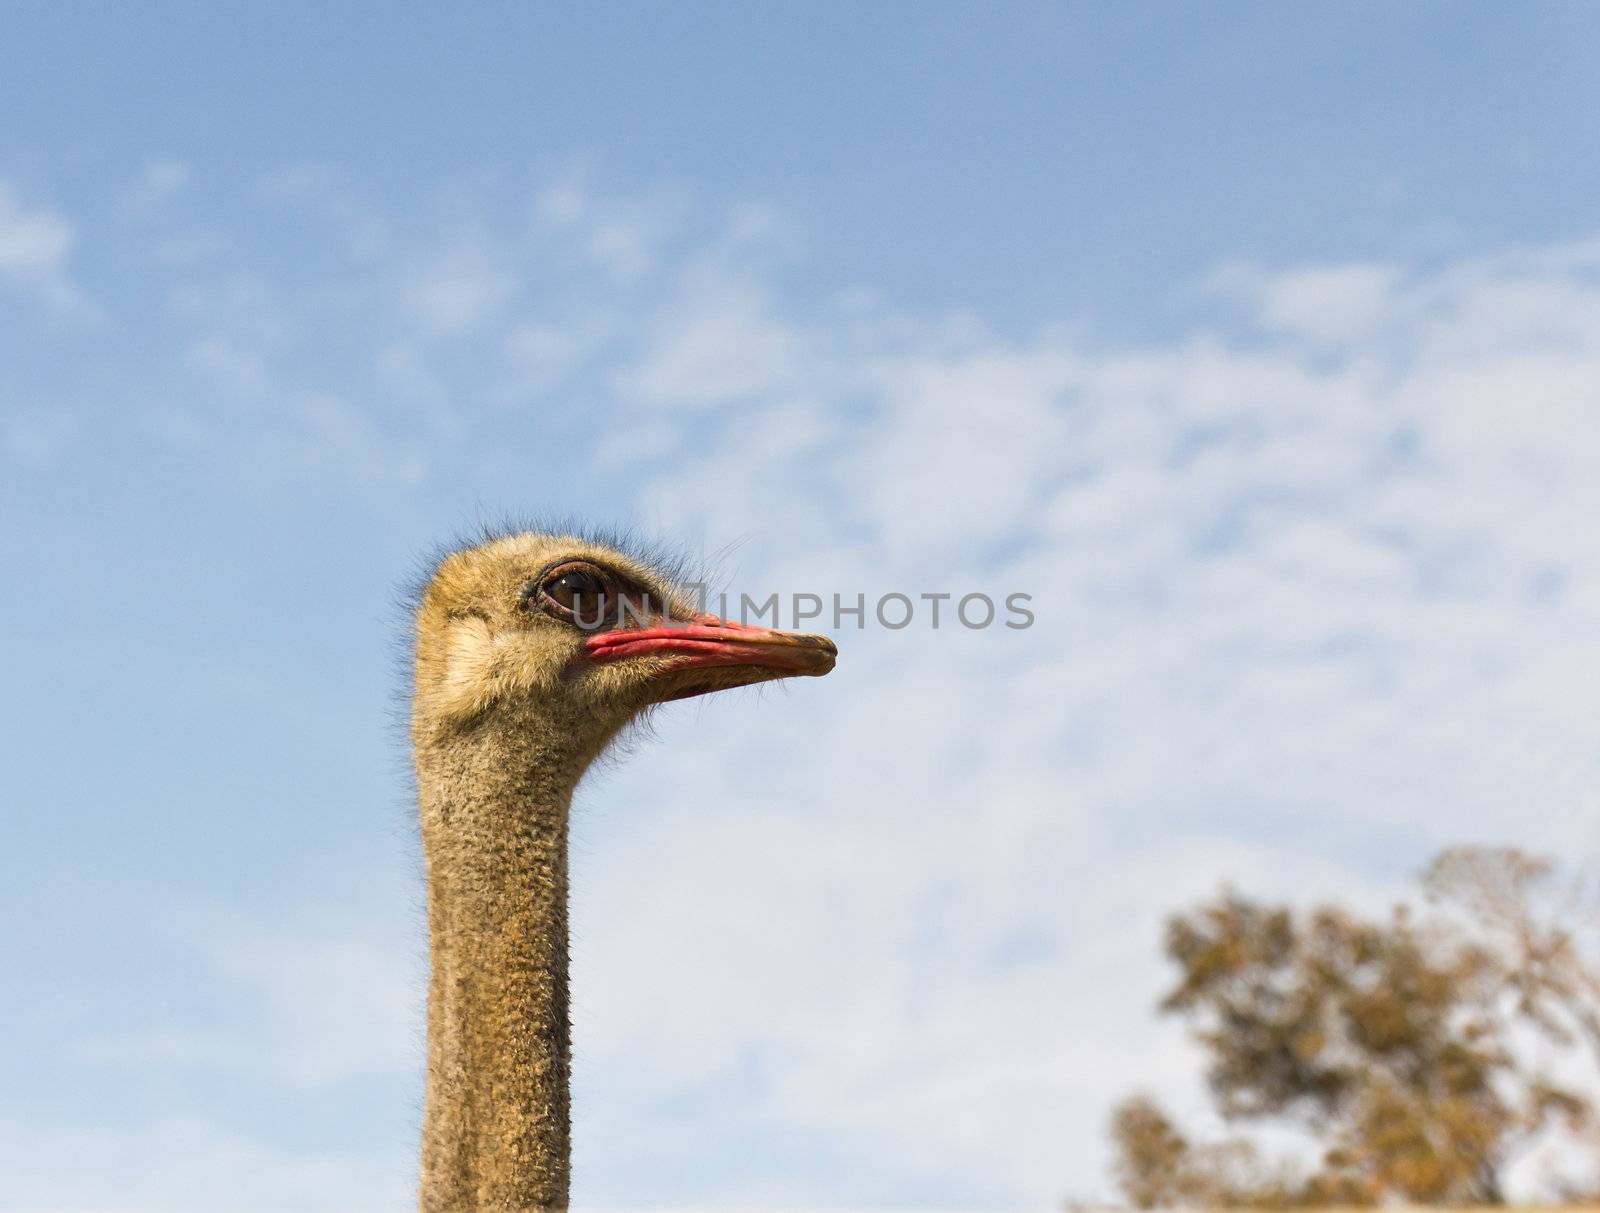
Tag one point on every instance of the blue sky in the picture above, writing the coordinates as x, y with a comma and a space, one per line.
1258, 343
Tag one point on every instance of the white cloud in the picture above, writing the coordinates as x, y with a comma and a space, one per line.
39, 435
325, 430
1331, 304
159, 182
32, 240
1314, 597
457, 290
623, 238
1301, 621
363, 228
545, 353
335, 987
35, 245
714, 341
238, 367
184, 1165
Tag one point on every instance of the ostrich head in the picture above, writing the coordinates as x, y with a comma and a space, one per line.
579, 636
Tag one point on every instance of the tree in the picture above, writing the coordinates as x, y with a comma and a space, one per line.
1157, 1166
1387, 1042
1153, 1164
1545, 930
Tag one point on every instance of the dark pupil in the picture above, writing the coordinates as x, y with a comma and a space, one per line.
582, 593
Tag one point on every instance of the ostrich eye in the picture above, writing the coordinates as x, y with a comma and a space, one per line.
580, 593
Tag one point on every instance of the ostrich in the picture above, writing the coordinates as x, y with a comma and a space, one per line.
532, 652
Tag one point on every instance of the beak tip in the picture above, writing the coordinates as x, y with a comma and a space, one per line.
827, 652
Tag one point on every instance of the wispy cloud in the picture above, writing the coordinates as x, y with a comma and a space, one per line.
456, 290
36, 243
714, 341
38, 435
184, 1165
334, 988
1314, 596
158, 183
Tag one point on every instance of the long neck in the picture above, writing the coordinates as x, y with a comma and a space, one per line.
496, 1131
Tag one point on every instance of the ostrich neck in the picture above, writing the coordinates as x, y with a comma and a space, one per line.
496, 1130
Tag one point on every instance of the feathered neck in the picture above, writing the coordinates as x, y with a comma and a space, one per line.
494, 803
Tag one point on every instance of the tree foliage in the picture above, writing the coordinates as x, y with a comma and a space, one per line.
1388, 1042
1158, 1167
1545, 931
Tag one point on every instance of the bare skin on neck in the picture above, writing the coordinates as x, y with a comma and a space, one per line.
527, 668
